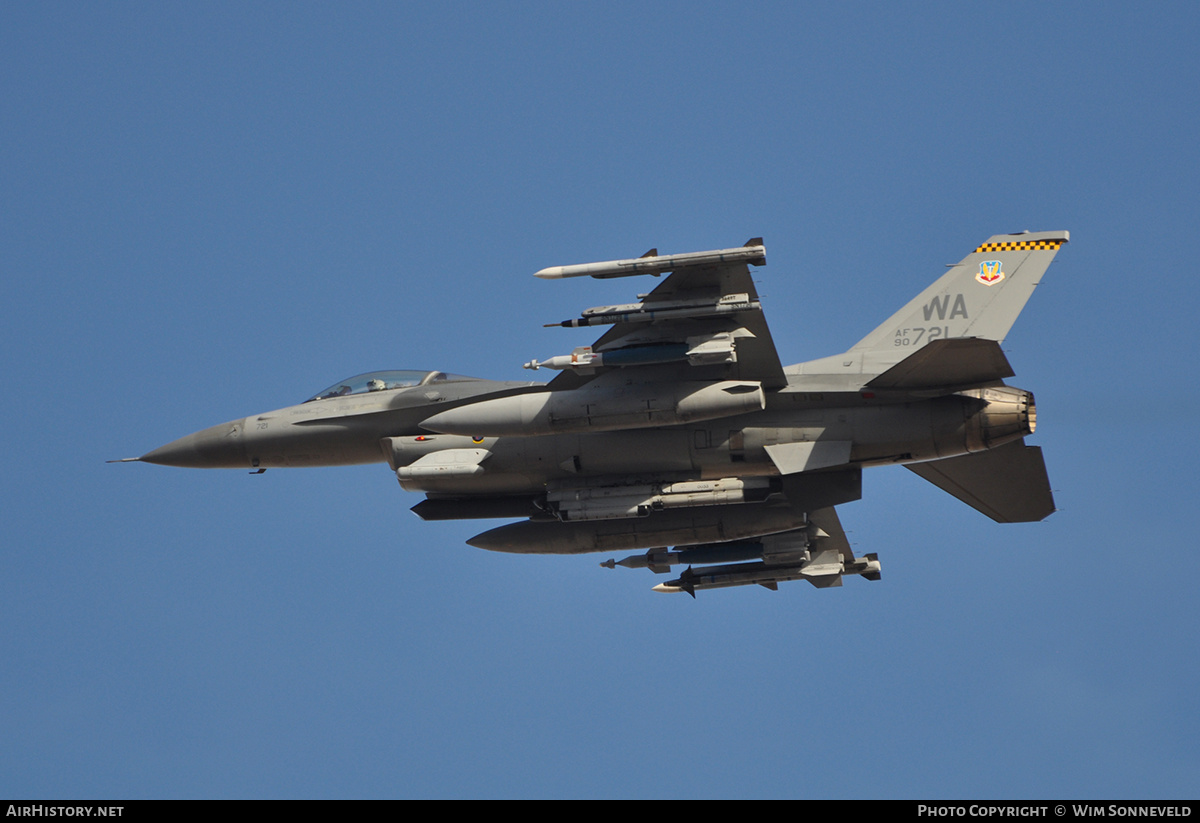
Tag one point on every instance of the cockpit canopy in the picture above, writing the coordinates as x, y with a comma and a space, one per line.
383, 381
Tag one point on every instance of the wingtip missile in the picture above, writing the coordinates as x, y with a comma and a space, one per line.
754, 255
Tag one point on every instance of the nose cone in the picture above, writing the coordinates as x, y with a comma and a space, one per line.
220, 447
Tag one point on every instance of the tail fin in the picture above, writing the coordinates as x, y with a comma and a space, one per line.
978, 297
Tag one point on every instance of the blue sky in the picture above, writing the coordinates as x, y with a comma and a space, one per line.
213, 210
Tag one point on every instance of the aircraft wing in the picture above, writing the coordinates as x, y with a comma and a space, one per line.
704, 322
817, 552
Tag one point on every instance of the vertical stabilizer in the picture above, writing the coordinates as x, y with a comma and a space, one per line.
981, 296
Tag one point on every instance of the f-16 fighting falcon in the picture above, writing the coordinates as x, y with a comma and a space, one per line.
680, 436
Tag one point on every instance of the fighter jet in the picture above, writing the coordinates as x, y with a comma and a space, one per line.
680, 435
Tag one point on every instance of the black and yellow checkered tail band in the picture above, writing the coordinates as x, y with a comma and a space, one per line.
1020, 245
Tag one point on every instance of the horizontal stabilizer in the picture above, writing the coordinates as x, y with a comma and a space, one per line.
1009, 484
952, 363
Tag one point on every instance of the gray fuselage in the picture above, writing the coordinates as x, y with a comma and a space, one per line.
882, 427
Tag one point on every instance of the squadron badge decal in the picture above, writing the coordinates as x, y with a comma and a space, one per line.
990, 272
